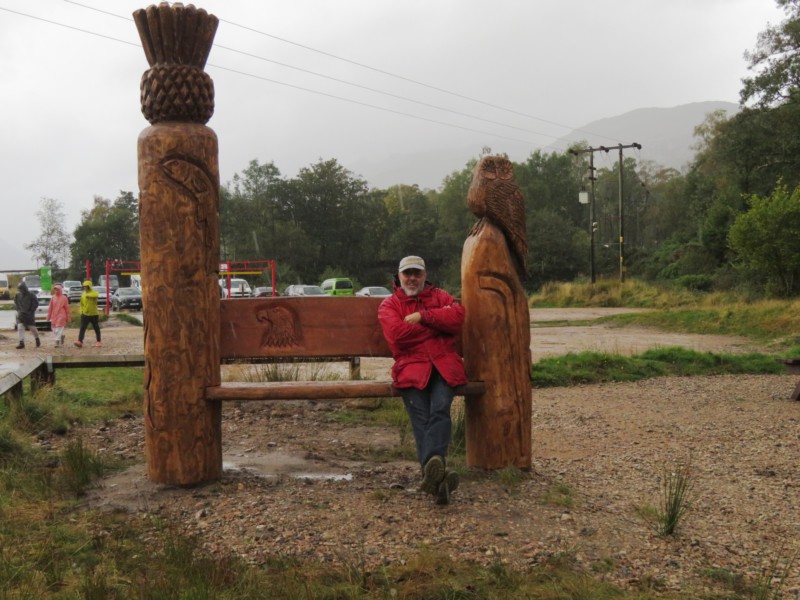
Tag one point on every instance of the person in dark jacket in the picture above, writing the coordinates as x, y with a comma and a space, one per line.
420, 323
26, 304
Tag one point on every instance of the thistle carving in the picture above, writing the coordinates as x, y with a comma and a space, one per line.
177, 40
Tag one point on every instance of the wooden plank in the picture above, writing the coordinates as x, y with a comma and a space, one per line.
317, 390
12, 379
301, 326
792, 364
90, 362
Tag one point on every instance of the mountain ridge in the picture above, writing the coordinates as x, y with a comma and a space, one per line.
666, 134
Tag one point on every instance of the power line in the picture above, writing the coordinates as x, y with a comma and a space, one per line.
312, 91
301, 88
358, 102
377, 70
108, 37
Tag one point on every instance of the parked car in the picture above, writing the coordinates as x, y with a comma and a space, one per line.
303, 290
113, 280
263, 292
101, 294
5, 291
239, 288
73, 290
40, 316
337, 286
126, 298
33, 282
374, 291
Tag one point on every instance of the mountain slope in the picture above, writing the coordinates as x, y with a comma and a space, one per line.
666, 134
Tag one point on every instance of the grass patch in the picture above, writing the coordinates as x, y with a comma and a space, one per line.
79, 467
129, 319
676, 492
265, 372
559, 494
678, 309
599, 367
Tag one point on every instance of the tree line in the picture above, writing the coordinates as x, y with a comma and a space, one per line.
730, 220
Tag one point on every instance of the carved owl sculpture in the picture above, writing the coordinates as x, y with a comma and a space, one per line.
494, 196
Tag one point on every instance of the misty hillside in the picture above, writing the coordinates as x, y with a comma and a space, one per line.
666, 134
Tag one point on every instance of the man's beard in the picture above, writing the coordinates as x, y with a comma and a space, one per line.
410, 291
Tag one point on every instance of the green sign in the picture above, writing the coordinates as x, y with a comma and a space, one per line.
45, 278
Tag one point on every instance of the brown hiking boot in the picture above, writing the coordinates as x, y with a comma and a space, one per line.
432, 475
448, 486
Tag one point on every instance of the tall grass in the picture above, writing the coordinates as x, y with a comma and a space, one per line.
677, 309
676, 492
610, 293
80, 466
599, 367
264, 372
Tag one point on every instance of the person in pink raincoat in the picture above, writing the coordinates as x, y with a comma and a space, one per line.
58, 314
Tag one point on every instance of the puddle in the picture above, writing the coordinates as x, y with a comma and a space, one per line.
278, 464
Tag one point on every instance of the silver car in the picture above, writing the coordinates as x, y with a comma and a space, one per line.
304, 290
373, 291
73, 290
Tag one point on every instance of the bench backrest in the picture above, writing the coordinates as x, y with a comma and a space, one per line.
289, 326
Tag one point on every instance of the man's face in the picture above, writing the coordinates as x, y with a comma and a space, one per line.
412, 281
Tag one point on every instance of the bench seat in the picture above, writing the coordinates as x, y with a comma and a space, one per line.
317, 390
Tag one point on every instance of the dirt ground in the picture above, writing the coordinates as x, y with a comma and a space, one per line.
298, 481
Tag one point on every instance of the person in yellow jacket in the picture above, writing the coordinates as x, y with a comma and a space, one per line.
89, 314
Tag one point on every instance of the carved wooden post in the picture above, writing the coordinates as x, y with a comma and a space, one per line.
496, 332
179, 231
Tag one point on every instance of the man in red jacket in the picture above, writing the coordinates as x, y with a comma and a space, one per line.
420, 323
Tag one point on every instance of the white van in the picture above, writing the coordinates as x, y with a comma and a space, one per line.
5, 291
239, 288
113, 280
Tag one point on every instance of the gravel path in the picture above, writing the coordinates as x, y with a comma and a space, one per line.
300, 482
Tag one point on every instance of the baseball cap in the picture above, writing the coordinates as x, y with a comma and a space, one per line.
411, 262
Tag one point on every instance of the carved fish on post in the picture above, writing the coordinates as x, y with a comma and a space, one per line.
179, 234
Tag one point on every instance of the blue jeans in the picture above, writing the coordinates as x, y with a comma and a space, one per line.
429, 411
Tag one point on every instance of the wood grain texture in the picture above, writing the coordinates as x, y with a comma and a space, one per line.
179, 230
496, 331
316, 390
301, 326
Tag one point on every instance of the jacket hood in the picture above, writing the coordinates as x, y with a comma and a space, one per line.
88, 284
22, 287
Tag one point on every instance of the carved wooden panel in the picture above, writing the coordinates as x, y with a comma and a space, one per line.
295, 326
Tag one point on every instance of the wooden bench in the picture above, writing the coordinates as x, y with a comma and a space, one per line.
296, 329
11, 382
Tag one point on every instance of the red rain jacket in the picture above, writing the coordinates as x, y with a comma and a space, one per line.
419, 347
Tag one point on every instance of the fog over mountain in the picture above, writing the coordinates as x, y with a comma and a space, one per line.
666, 134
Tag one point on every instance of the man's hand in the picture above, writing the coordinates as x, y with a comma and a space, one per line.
413, 318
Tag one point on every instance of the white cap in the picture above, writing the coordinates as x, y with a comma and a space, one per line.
411, 262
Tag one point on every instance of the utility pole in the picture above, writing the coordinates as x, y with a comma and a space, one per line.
619, 147
592, 224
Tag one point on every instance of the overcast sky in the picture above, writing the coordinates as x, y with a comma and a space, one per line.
429, 83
